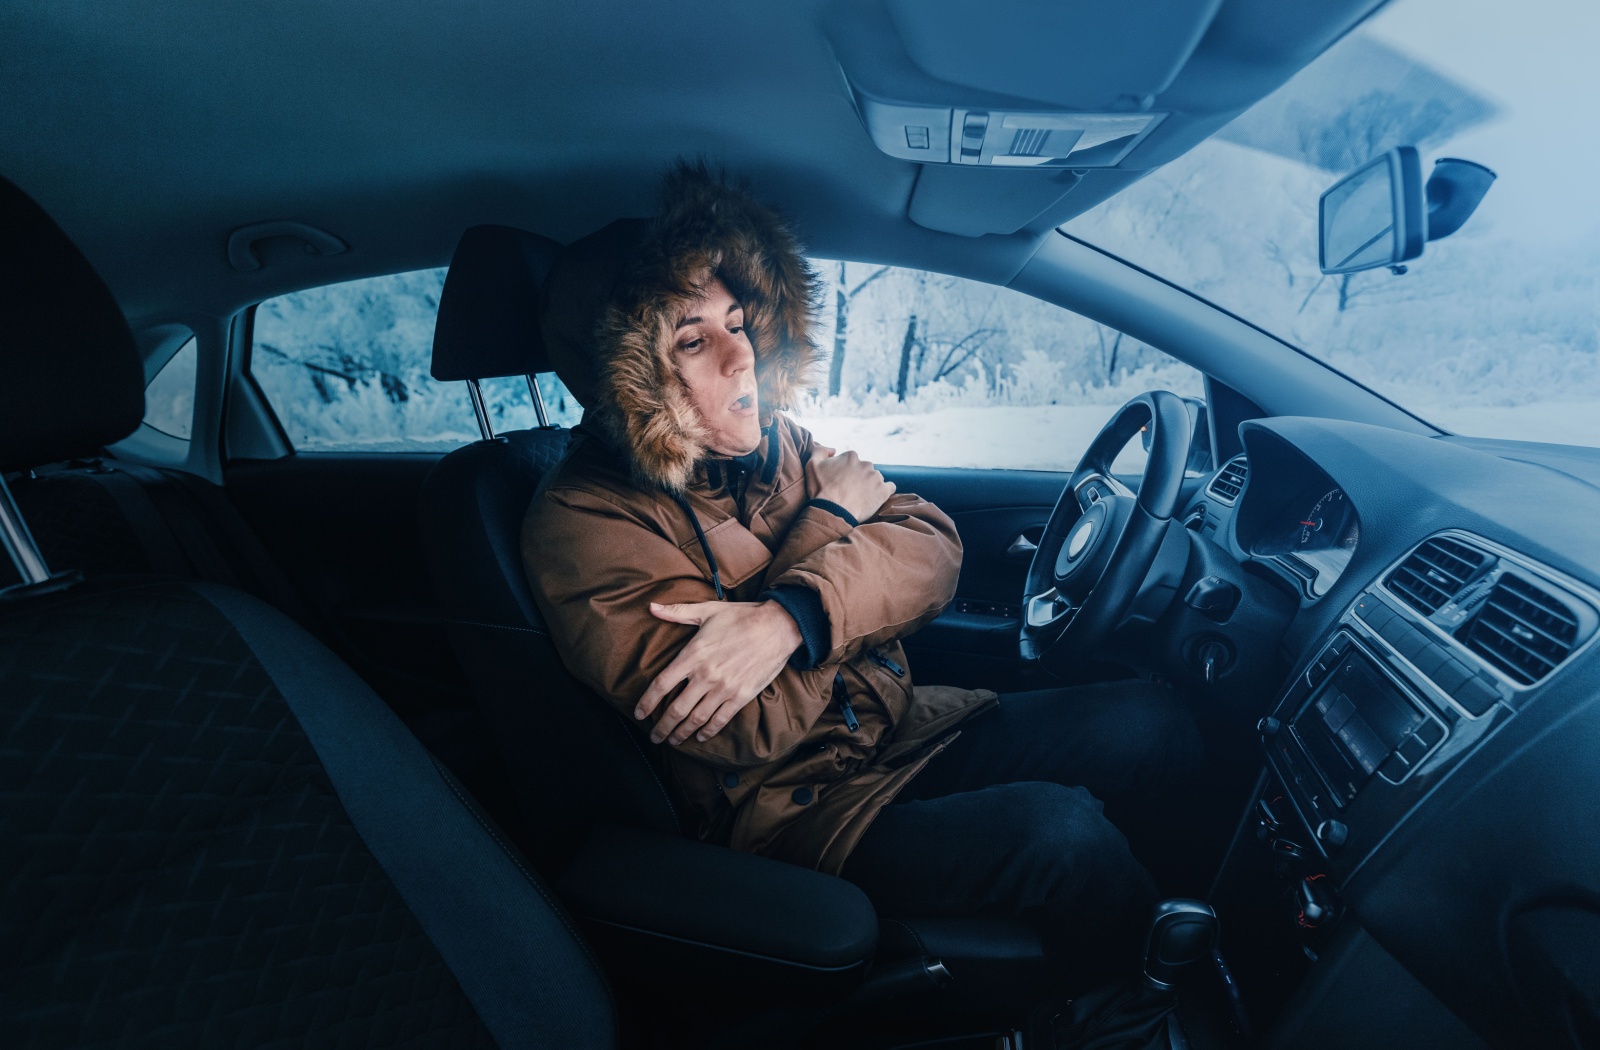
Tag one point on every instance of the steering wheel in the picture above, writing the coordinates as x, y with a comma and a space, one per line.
1102, 539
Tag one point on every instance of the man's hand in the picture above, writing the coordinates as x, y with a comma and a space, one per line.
739, 649
852, 483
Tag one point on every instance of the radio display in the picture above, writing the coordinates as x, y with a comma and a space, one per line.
1353, 721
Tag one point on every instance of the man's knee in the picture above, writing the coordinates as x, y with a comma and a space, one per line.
1159, 736
1063, 838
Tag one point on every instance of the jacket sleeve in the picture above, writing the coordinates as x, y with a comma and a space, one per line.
882, 579
595, 597
874, 580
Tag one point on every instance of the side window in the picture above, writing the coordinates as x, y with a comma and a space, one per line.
931, 370
345, 367
169, 397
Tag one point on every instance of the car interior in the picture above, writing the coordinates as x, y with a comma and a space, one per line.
288, 756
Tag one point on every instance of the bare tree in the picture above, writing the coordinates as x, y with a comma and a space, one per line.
906, 346
1108, 354
843, 296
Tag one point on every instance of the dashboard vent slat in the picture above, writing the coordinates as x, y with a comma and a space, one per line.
1434, 573
1523, 630
1230, 480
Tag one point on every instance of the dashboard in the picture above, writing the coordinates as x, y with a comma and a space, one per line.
1435, 750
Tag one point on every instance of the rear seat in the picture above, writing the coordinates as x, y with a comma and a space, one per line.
106, 516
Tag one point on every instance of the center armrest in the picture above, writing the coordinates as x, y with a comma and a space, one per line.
669, 905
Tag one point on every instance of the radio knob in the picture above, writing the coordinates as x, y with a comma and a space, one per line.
1268, 727
1332, 834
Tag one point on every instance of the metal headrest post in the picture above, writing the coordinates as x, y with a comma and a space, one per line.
538, 401
478, 409
19, 542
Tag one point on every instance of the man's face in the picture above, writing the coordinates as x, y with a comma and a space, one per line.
717, 363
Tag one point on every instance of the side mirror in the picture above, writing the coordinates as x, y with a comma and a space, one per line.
1375, 216
1381, 214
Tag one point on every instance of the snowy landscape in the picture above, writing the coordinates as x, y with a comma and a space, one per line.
1494, 332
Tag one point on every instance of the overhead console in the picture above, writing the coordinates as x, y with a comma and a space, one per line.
1054, 94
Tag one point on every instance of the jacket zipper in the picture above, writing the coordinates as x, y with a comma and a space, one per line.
841, 696
885, 663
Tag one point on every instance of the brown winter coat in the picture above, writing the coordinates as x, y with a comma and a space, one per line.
607, 534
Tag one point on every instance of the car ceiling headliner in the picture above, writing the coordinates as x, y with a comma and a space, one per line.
152, 128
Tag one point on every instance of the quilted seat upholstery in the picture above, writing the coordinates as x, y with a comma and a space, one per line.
177, 867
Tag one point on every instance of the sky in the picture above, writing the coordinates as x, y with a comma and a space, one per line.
1536, 60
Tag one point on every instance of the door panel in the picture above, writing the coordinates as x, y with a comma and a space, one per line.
974, 642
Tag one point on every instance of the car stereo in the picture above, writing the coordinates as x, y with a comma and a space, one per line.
1354, 721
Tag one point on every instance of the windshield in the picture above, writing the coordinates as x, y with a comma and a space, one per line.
1493, 332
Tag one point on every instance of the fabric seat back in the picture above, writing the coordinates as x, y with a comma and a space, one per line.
212, 832
574, 761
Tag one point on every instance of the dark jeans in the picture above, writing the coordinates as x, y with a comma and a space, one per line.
1011, 820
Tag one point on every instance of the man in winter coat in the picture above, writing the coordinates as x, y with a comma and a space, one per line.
710, 570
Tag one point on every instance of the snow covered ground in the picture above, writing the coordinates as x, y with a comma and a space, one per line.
1053, 436
1045, 438
1559, 422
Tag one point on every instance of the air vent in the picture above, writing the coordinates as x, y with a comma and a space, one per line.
1434, 573
1230, 480
1523, 630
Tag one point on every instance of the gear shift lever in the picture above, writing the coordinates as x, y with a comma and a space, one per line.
1181, 932
1138, 1014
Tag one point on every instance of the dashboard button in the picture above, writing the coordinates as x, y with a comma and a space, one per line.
1394, 769
1451, 675
1477, 696
1374, 612
1394, 631
1431, 659
1430, 732
1412, 750
1413, 644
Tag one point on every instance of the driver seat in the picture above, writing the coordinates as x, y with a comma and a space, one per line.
586, 779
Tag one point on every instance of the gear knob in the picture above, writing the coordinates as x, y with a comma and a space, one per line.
1181, 932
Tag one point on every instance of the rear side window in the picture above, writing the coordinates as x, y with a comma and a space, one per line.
169, 399
345, 368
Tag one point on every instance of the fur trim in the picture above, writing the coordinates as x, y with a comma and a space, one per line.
705, 225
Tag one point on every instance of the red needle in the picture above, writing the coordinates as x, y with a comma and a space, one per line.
1311, 523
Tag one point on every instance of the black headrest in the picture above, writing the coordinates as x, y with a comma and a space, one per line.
488, 322
70, 376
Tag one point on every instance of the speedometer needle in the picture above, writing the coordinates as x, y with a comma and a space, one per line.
1311, 523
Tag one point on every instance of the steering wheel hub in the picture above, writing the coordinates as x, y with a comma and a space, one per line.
1081, 542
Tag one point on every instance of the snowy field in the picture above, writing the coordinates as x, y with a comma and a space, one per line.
1044, 438
1053, 436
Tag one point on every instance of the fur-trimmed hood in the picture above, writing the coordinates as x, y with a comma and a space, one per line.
612, 299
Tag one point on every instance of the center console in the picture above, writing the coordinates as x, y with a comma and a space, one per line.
1427, 663
1359, 722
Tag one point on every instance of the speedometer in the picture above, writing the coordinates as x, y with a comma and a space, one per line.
1322, 526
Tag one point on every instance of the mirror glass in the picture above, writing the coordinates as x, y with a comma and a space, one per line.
1358, 220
